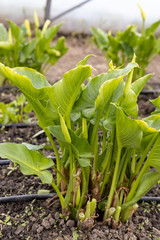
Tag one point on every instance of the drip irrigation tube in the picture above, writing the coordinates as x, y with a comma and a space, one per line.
4, 162
31, 197
7, 87
18, 125
26, 198
149, 199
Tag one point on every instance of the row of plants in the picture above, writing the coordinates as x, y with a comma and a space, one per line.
28, 46
109, 175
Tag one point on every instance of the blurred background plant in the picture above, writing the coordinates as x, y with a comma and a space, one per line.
15, 111
121, 47
20, 46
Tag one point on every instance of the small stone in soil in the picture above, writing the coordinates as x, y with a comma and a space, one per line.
70, 223
52, 221
19, 230
46, 224
56, 215
40, 229
61, 222
54, 234
33, 219
35, 227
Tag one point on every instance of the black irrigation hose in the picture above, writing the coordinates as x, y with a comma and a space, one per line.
7, 87
26, 198
31, 197
4, 162
149, 199
18, 125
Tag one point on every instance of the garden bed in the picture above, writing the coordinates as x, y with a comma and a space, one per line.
36, 220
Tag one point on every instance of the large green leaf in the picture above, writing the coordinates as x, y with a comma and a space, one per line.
31, 162
128, 37
154, 156
59, 47
138, 85
152, 29
51, 32
79, 145
129, 104
147, 182
156, 102
17, 32
153, 121
90, 93
35, 88
147, 130
64, 93
33, 147
129, 133
29, 81
110, 114
100, 38
84, 61
106, 91
5, 46
27, 50
3, 33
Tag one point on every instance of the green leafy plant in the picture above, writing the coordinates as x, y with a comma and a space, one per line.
121, 47
19, 46
15, 111
114, 167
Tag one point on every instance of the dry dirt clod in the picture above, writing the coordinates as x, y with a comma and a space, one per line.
70, 223
40, 229
19, 230
46, 224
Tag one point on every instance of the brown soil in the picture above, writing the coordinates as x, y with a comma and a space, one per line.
34, 220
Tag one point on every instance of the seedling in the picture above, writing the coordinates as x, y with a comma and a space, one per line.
116, 168
16, 111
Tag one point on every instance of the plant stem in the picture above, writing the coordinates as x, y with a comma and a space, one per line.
144, 154
61, 198
104, 141
128, 156
113, 185
84, 128
85, 174
136, 183
133, 163
106, 167
117, 214
72, 168
56, 154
